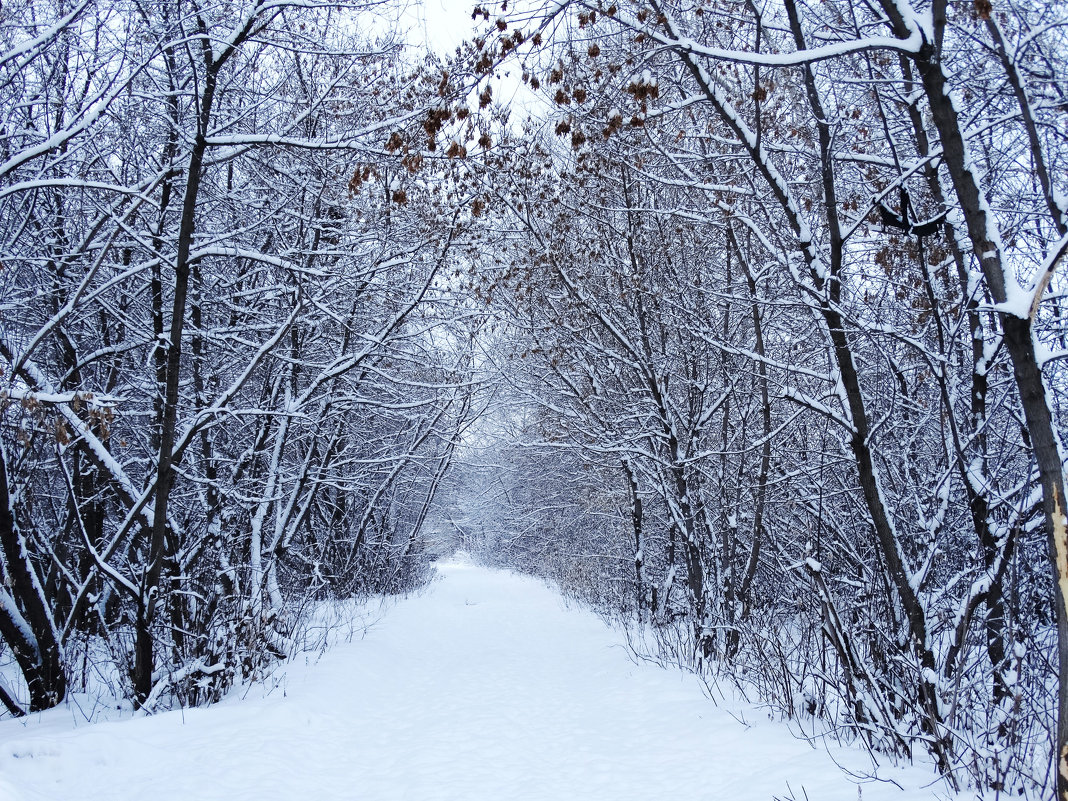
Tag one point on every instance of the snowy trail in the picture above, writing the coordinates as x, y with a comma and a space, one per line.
484, 687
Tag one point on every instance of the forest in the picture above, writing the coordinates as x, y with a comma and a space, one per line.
738, 320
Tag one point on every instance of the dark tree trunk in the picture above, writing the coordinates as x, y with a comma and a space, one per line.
25, 620
637, 521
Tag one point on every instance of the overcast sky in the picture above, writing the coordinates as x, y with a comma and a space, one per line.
441, 24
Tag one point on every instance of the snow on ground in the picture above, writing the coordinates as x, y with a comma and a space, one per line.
483, 687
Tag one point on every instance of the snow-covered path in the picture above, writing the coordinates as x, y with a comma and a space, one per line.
484, 687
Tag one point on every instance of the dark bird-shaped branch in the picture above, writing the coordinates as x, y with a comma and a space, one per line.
902, 221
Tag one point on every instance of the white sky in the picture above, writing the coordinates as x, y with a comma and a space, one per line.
441, 24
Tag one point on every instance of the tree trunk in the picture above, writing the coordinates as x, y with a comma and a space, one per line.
637, 521
25, 620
